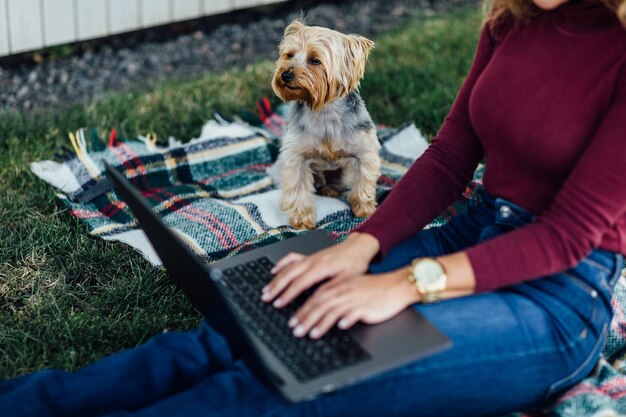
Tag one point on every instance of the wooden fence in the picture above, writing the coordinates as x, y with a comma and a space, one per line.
33, 24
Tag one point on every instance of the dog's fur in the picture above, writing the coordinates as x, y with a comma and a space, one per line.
330, 142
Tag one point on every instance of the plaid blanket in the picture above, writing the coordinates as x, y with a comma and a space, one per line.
214, 191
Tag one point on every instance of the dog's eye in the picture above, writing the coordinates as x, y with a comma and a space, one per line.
314, 61
289, 56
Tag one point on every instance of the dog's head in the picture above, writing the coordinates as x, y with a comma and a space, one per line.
318, 65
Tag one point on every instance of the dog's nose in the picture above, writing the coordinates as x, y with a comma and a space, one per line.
287, 76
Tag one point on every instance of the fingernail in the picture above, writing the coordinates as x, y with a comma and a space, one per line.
292, 322
343, 323
273, 270
315, 333
278, 302
265, 296
298, 331
265, 289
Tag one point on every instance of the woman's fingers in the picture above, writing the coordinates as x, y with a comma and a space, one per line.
329, 296
283, 279
294, 280
296, 272
302, 283
323, 294
329, 319
326, 309
350, 318
287, 260
367, 298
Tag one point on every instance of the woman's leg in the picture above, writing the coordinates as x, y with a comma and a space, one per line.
235, 392
167, 364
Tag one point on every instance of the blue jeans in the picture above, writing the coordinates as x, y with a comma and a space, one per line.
512, 349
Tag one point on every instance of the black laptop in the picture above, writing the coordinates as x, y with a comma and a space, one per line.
228, 292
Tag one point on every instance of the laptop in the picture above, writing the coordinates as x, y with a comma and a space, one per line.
227, 293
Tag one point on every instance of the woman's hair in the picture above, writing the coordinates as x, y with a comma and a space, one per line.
519, 9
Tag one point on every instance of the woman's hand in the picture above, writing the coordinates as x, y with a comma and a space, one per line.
296, 273
367, 298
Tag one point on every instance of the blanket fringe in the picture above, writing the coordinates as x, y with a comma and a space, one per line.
150, 140
80, 147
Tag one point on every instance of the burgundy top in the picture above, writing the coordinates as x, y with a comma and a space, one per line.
545, 103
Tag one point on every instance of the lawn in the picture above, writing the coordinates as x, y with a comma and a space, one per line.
67, 299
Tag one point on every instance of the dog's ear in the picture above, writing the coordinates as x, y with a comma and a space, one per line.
294, 27
358, 49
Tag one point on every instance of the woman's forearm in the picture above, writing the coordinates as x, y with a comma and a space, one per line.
461, 279
366, 242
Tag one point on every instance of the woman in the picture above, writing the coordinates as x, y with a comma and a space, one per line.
527, 275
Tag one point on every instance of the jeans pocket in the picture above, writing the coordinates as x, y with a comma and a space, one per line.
581, 371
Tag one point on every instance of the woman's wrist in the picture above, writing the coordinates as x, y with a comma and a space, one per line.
366, 243
407, 292
460, 279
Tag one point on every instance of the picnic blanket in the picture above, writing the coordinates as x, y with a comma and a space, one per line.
215, 192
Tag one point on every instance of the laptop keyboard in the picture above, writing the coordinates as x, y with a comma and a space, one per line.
306, 358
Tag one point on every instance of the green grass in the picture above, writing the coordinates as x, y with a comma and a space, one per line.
67, 299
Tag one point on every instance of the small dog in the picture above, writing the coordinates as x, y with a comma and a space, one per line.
330, 141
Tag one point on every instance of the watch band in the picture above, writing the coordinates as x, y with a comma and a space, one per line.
429, 297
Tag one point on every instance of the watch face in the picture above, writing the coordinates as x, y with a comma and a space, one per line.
428, 272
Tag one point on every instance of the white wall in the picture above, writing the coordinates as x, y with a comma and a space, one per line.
32, 24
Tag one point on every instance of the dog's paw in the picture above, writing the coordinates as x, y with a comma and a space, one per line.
363, 209
330, 191
303, 220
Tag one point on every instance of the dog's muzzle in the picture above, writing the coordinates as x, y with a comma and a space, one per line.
287, 76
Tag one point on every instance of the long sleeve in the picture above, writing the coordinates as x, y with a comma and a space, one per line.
440, 175
590, 203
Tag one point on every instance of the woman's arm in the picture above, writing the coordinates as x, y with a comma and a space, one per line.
591, 201
373, 298
441, 174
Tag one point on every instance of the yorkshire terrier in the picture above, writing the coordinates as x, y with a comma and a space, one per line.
329, 143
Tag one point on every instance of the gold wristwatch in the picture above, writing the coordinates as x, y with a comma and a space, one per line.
429, 277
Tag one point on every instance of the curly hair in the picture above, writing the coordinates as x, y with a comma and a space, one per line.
519, 9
